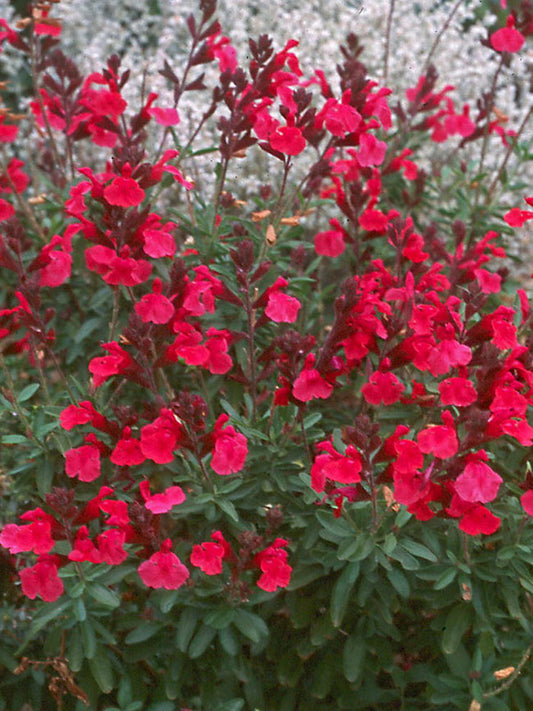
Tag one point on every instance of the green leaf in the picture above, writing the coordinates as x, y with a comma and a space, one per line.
53, 610
228, 640
357, 548
342, 591
103, 595
399, 582
88, 638
251, 625
457, 622
201, 641
228, 508
27, 392
419, 550
219, 619
407, 561
14, 439
445, 579
231, 705
186, 626
353, 657
102, 671
143, 632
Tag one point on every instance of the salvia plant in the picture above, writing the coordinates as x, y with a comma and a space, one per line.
272, 453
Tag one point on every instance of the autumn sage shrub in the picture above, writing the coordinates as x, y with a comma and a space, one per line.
265, 454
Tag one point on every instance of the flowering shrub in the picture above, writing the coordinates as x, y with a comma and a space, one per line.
249, 447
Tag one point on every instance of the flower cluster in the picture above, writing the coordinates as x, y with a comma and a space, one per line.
418, 322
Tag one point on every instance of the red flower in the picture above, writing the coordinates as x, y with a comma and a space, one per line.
507, 39
164, 502
208, 556
343, 468
231, 448
330, 243
165, 117
478, 520
6, 210
127, 451
457, 391
478, 483
42, 579
441, 441
154, 307
527, 502
276, 572
382, 388
35, 537
163, 569
281, 308
288, 140
161, 437
310, 384
124, 192
83, 462
371, 150
111, 546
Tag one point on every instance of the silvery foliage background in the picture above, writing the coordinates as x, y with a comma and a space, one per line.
144, 34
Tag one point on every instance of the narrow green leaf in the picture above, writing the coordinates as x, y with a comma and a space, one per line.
356, 548
143, 632
201, 641
353, 657
457, 622
252, 626
399, 582
419, 550
342, 591
102, 671
27, 392
88, 638
103, 595
445, 579
186, 626
219, 619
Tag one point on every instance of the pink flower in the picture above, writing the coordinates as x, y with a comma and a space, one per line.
83, 462
161, 437
230, 450
35, 537
478, 483
330, 243
6, 210
42, 579
164, 117
127, 451
310, 384
282, 308
382, 388
276, 572
343, 468
163, 569
441, 441
371, 150
155, 307
478, 520
124, 192
507, 39
288, 140
208, 556
527, 502
164, 502
457, 391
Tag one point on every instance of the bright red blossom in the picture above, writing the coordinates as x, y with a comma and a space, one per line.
163, 569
